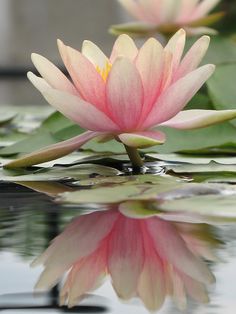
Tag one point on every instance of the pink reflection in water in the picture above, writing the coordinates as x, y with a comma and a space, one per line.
148, 258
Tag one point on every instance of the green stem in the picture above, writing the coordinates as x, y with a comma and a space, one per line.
134, 157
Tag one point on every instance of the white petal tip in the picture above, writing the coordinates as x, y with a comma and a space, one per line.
60, 43
212, 67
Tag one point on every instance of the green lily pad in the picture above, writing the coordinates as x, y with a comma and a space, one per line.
212, 167
140, 188
195, 140
76, 172
194, 159
221, 88
38, 140
6, 116
208, 205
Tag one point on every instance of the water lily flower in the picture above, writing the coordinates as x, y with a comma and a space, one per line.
147, 258
126, 96
168, 16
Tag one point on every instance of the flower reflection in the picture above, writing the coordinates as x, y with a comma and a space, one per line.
149, 258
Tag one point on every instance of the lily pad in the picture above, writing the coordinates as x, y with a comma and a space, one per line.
194, 159
148, 188
38, 140
222, 90
142, 187
212, 167
76, 172
6, 117
209, 205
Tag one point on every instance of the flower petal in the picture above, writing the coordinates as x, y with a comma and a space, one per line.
175, 98
195, 289
150, 11
194, 57
168, 10
176, 47
151, 286
149, 63
142, 139
124, 94
84, 75
204, 8
52, 75
133, 8
172, 249
178, 292
80, 239
194, 119
125, 256
187, 8
94, 54
83, 276
124, 47
52, 152
73, 107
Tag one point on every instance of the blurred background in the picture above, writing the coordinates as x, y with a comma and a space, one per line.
33, 26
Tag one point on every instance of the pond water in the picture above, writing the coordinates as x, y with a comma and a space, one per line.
30, 220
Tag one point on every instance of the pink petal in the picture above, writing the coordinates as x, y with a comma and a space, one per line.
194, 119
149, 11
125, 256
204, 8
194, 57
73, 107
124, 94
124, 47
151, 286
142, 139
175, 98
168, 10
178, 292
94, 54
149, 63
52, 152
84, 276
80, 239
176, 47
195, 289
133, 8
172, 249
52, 75
84, 75
187, 8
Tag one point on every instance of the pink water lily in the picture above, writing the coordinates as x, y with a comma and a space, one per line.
168, 16
149, 258
126, 96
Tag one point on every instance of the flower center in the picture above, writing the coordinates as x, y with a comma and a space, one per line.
104, 71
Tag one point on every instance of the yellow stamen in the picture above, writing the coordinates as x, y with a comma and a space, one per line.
105, 71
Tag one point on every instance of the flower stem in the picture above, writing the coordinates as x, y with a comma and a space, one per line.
134, 157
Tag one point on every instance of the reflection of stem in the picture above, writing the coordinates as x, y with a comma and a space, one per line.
134, 157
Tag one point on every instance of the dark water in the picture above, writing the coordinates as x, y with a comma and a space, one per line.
29, 220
